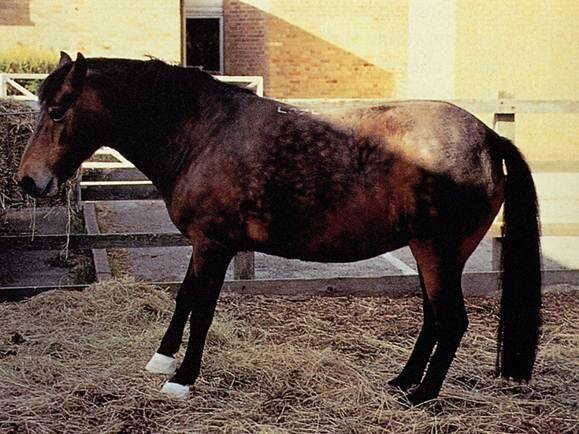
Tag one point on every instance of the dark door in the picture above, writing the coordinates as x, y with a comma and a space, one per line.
203, 43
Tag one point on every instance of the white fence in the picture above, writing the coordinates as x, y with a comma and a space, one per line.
11, 85
8, 81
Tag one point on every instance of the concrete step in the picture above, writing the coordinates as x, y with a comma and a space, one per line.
118, 190
113, 174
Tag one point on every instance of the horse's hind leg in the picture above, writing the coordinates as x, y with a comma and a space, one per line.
441, 266
416, 364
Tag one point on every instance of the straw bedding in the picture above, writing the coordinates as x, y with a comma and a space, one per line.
73, 362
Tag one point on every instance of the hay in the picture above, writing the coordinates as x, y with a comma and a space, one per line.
73, 362
17, 120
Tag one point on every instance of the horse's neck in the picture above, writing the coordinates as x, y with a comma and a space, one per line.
162, 154
152, 159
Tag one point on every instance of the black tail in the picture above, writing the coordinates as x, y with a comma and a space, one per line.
520, 318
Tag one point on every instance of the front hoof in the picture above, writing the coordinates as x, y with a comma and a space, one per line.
419, 396
161, 364
175, 390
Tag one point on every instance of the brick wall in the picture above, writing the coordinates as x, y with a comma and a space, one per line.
338, 48
528, 50
319, 49
245, 40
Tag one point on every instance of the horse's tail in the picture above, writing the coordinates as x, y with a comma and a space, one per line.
520, 318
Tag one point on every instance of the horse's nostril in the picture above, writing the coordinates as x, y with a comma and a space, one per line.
28, 184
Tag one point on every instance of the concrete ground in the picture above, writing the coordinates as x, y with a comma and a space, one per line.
39, 267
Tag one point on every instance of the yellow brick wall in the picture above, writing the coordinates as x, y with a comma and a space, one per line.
245, 40
529, 50
359, 49
109, 28
319, 49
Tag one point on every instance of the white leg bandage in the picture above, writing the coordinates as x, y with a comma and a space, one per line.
161, 364
176, 390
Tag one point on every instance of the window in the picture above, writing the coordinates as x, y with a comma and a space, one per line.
203, 34
203, 43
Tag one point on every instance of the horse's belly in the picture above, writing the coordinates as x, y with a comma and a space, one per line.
352, 233
339, 249
356, 250
354, 240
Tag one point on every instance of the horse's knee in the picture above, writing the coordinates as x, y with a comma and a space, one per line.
429, 327
460, 323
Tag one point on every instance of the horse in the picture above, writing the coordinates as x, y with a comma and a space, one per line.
239, 172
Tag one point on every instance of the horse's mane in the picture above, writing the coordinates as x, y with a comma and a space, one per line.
150, 86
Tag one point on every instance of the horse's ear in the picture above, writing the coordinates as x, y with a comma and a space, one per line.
75, 77
64, 59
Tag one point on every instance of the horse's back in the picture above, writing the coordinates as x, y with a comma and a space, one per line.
436, 136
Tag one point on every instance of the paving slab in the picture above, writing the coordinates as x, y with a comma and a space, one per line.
28, 220
38, 267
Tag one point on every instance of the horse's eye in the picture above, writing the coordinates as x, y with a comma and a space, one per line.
56, 114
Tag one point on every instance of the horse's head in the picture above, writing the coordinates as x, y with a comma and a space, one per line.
71, 125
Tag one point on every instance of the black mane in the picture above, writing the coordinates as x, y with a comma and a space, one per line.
151, 86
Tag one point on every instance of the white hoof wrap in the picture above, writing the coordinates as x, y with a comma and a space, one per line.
176, 390
161, 364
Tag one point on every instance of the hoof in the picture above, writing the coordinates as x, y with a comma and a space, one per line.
403, 384
420, 396
176, 390
161, 364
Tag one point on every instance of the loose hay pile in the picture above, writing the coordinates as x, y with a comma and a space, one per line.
17, 120
73, 362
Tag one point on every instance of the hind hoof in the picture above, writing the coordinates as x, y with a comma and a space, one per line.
420, 396
175, 390
161, 364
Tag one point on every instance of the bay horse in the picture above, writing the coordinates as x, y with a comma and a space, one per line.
243, 173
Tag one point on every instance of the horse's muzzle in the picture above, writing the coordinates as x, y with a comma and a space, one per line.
48, 188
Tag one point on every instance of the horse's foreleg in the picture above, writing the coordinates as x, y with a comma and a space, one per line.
163, 362
442, 275
196, 301
416, 364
